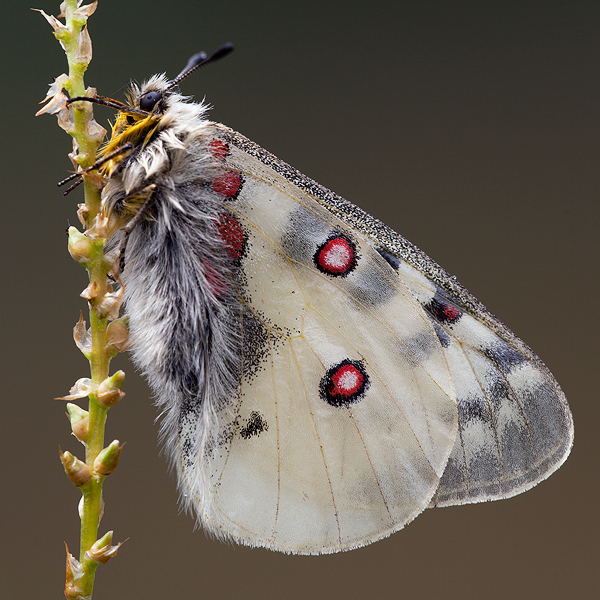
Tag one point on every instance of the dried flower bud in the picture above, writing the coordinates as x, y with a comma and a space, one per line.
108, 459
99, 228
83, 337
118, 336
84, 45
82, 388
79, 246
90, 292
82, 214
85, 11
54, 22
110, 304
73, 590
79, 422
110, 392
77, 471
58, 100
101, 551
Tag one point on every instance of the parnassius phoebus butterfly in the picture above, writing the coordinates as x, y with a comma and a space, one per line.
323, 380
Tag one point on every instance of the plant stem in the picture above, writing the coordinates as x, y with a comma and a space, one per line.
74, 38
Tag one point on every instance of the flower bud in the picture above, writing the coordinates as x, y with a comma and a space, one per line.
110, 391
79, 422
79, 246
101, 551
108, 459
77, 471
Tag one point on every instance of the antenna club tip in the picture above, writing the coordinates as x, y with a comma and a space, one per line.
199, 60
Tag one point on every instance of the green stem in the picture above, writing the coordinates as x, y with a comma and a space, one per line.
99, 363
98, 271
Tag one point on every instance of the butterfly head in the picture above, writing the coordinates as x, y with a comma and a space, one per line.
147, 111
150, 108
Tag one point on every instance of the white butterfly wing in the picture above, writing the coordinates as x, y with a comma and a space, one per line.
323, 380
346, 415
515, 426
373, 384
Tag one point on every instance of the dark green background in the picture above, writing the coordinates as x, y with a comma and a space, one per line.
470, 127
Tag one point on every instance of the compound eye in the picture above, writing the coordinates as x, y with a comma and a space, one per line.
150, 99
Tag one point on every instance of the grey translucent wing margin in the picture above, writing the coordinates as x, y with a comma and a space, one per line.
515, 427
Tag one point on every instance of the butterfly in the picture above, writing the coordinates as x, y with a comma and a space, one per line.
322, 380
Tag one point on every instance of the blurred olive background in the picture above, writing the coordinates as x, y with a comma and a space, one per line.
470, 127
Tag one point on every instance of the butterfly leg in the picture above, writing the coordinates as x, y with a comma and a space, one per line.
148, 192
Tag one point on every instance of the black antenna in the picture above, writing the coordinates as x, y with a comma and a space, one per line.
194, 60
199, 60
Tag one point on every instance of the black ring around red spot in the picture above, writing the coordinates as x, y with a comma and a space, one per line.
229, 184
344, 384
337, 256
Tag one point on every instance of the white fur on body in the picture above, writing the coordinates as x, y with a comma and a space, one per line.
184, 338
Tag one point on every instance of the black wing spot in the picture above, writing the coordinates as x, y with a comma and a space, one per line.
442, 334
254, 426
504, 356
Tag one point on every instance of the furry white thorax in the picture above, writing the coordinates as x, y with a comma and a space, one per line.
185, 337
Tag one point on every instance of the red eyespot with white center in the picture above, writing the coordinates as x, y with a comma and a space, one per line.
344, 384
337, 256
218, 149
229, 184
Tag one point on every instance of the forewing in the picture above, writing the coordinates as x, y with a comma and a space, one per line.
515, 427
